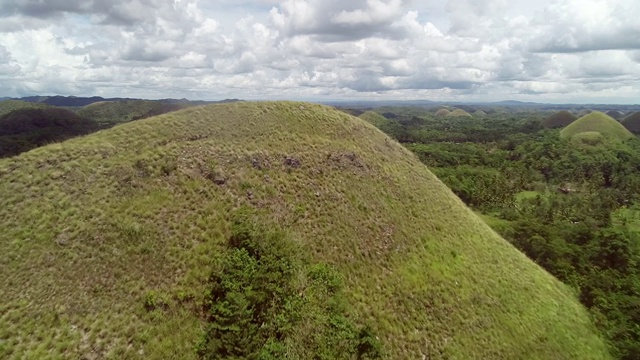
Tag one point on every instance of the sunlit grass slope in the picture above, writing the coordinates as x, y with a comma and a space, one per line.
597, 122
8, 106
95, 228
126, 110
374, 118
559, 120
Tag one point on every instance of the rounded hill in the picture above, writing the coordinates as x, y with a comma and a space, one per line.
479, 113
597, 122
113, 241
458, 112
632, 122
559, 120
615, 114
443, 112
374, 118
8, 106
126, 110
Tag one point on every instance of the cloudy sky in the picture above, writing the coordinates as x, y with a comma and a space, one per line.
467, 50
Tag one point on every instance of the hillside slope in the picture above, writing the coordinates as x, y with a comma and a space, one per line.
597, 122
559, 120
632, 122
108, 242
8, 106
127, 110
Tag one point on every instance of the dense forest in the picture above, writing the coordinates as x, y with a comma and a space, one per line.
570, 204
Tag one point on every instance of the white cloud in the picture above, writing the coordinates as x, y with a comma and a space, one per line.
464, 49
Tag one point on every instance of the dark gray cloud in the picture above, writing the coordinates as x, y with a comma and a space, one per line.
119, 12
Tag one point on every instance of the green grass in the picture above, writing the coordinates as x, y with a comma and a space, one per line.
559, 120
374, 118
94, 228
524, 195
597, 122
126, 110
8, 106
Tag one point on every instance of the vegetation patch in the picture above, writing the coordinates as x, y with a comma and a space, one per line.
267, 302
27, 128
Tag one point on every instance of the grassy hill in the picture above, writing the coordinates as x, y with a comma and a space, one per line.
8, 106
632, 122
374, 118
126, 110
132, 242
597, 122
27, 128
458, 112
615, 114
443, 112
559, 120
479, 113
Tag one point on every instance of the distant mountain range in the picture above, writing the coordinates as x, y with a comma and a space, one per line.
75, 101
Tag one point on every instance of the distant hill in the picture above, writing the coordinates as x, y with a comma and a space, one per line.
597, 122
584, 112
443, 112
632, 122
286, 229
24, 129
479, 113
559, 120
615, 114
76, 101
8, 106
458, 112
127, 110
374, 118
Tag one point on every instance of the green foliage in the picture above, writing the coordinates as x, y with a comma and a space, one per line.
263, 295
24, 129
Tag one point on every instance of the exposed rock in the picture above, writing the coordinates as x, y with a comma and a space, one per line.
292, 162
219, 180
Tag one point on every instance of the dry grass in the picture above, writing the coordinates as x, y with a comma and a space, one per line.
91, 227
